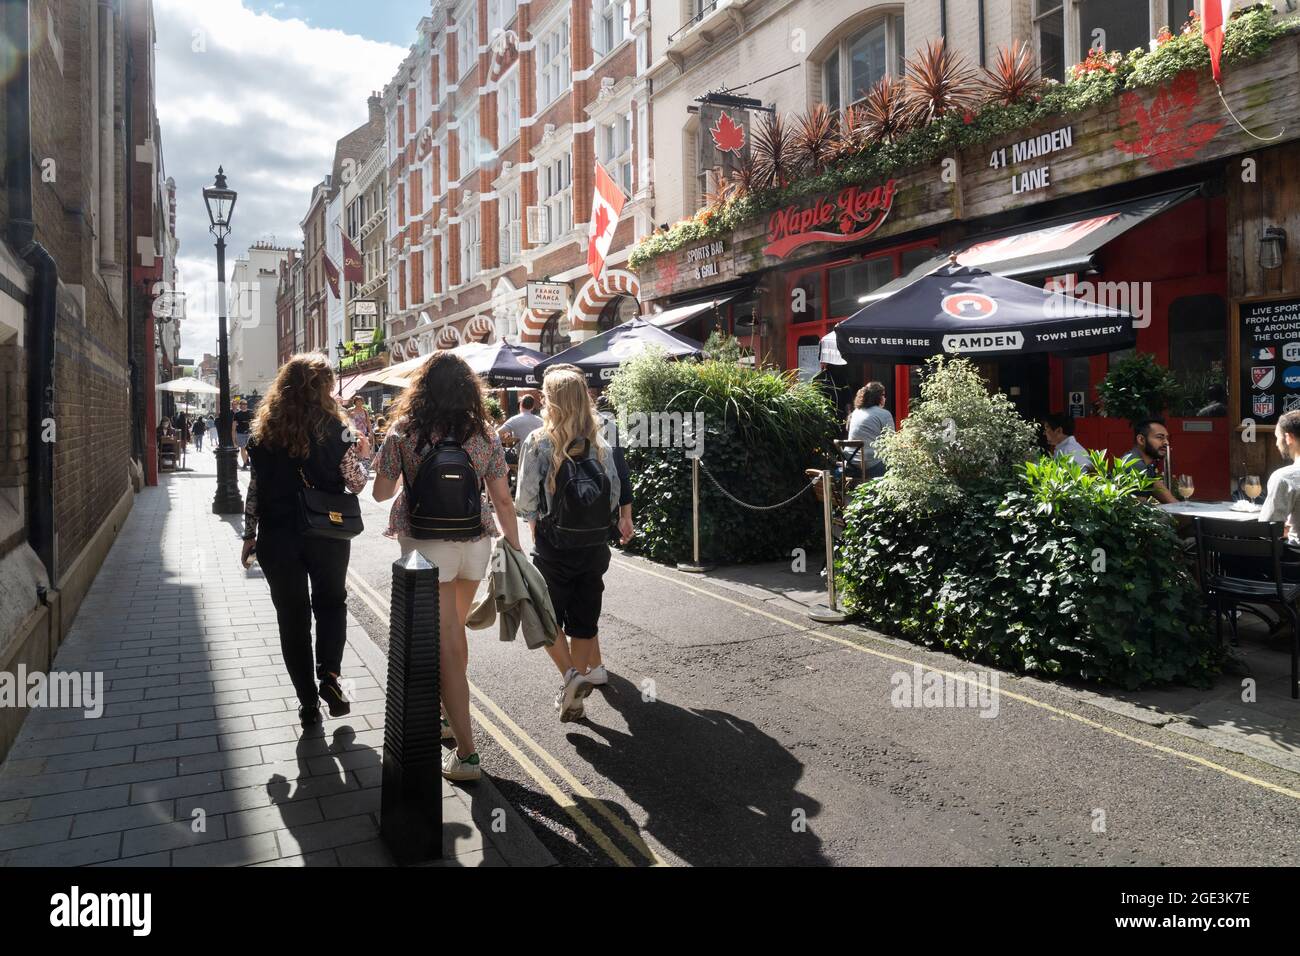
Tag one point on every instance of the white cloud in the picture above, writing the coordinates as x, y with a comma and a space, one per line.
267, 99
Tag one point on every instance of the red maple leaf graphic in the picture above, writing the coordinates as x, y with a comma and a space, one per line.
1166, 135
602, 221
728, 136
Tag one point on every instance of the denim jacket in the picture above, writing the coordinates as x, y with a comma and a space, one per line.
535, 465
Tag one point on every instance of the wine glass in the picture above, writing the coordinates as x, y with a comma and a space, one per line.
1251, 487
1186, 486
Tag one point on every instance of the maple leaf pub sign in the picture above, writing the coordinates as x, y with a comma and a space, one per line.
723, 138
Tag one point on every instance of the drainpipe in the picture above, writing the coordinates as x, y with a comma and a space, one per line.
42, 300
133, 296
943, 20
982, 27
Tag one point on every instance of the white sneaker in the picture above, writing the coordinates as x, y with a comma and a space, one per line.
455, 767
569, 700
598, 675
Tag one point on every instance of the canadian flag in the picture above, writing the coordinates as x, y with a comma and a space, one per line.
606, 207
1216, 17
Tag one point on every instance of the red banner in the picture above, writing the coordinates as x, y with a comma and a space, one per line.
855, 212
331, 274
354, 270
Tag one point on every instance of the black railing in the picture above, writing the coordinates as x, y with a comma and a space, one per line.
705, 10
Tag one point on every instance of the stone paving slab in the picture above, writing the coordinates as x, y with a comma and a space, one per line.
198, 758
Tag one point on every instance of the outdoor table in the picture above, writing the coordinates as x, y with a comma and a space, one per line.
1210, 509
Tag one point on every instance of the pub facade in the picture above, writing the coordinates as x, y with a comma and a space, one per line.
1157, 202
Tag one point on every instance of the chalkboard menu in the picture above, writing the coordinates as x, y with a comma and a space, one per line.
1270, 358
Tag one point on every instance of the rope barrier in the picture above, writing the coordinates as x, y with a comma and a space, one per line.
744, 504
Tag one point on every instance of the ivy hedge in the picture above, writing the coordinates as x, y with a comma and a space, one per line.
1248, 35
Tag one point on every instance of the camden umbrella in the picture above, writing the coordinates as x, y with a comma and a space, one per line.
503, 365
599, 357
960, 310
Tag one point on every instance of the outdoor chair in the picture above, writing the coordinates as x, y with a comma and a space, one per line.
1225, 551
168, 454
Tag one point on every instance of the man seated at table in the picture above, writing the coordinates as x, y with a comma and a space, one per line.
1283, 500
1151, 445
1058, 429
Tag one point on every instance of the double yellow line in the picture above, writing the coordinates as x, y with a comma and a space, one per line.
579, 810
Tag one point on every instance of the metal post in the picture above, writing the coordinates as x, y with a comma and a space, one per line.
227, 500
695, 567
830, 614
410, 817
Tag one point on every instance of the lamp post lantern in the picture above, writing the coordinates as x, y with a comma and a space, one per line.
220, 200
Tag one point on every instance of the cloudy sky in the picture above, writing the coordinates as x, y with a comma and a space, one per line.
265, 88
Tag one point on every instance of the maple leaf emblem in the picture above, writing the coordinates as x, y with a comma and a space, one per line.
602, 221
1166, 135
728, 136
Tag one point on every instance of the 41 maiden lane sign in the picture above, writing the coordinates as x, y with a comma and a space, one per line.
855, 212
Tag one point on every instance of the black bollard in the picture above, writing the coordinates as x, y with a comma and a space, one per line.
410, 818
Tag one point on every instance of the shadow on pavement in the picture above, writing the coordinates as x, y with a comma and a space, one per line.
743, 806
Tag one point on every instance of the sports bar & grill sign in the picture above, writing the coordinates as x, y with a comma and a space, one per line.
850, 215
1270, 358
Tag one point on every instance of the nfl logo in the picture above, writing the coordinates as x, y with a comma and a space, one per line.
1263, 375
1265, 354
1263, 406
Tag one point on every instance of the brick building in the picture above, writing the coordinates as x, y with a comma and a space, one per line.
284, 306
315, 309
495, 121
84, 219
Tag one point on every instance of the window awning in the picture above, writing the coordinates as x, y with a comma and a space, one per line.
1054, 247
680, 315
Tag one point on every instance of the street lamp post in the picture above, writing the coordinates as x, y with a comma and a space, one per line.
220, 200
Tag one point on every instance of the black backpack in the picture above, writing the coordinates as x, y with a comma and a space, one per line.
580, 515
443, 502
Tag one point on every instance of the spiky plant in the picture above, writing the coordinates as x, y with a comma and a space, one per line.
938, 82
774, 160
743, 179
884, 110
813, 139
724, 190
1014, 77
851, 135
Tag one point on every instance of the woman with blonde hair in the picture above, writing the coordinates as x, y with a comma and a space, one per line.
441, 420
568, 491
300, 439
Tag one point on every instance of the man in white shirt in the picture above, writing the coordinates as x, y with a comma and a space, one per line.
1283, 500
1058, 429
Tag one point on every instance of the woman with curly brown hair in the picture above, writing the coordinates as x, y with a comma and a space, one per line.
300, 435
443, 411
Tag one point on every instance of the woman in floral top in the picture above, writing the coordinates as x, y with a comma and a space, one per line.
445, 400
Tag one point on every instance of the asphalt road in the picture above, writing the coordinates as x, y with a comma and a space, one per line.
733, 733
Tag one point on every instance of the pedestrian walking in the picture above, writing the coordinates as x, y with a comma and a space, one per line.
200, 429
212, 432
243, 429
441, 447
569, 492
361, 424
300, 457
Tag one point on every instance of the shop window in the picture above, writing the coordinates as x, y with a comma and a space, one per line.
1049, 28
1198, 349
912, 258
555, 334
850, 283
744, 317
616, 312
1177, 14
1120, 25
860, 59
1075, 377
806, 298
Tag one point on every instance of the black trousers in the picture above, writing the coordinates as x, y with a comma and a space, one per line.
290, 562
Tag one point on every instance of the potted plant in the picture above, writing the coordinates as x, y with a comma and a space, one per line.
1137, 387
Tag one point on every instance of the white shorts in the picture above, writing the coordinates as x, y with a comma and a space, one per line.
455, 560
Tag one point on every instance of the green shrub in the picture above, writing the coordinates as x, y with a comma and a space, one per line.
761, 430
1138, 387
1064, 574
958, 437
